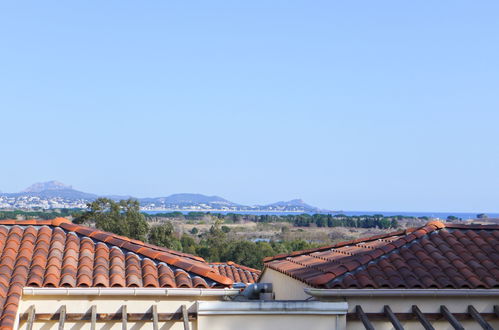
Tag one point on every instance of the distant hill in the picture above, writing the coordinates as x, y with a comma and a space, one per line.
54, 189
186, 200
43, 186
292, 205
57, 190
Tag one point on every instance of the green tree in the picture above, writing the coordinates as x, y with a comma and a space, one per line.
384, 223
214, 243
188, 244
296, 245
164, 235
122, 218
243, 252
248, 253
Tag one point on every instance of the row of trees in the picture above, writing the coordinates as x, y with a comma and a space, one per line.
298, 220
35, 214
327, 220
216, 245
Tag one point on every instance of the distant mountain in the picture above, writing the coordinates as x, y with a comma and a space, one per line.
292, 205
54, 189
49, 195
187, 200
50, 185
196, 198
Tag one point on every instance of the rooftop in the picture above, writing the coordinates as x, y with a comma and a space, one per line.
435, 256
58, 253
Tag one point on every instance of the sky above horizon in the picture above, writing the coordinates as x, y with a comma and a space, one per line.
386, 105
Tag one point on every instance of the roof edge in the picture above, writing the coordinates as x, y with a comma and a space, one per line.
95, 291
330, 293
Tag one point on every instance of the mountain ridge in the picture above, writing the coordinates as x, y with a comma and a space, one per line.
57, 190
49, 185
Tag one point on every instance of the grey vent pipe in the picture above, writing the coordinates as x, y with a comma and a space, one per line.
257, 291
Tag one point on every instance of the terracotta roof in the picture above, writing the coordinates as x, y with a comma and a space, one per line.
236, 272
436, 255
58, 253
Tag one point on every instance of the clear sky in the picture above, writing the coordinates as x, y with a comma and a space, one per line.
351, 105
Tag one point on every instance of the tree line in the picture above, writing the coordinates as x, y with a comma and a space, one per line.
45, 215
298, 220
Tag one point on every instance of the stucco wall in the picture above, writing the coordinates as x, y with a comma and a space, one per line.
216, 314
272, 315
285, 287
426, 305
296, 313
82, 304
272, 322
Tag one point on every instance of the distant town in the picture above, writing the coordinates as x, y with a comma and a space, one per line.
40, 203
56, 195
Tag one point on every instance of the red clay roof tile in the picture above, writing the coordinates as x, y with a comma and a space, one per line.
58, 253
199, 282
436, 255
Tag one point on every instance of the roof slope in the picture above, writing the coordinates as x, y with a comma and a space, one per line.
236, 272
436, 255
58, 253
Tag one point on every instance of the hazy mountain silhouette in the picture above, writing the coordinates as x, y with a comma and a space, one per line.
54, 189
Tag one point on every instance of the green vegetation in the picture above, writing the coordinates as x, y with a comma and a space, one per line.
215, 245
180, 215
46, 215
242, 238
340, 220
298, 220
122, 218
164, 235
218, 244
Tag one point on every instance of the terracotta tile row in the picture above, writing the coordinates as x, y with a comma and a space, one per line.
432, 256
56, 258
237, 273
181, 260
57, 253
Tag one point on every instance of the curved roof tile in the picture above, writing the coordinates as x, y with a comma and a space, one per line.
58, 253
436, 255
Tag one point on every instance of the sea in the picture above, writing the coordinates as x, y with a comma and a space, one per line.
432, 215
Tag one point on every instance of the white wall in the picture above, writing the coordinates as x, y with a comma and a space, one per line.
82, 304
272, 315
285, 287
426, 305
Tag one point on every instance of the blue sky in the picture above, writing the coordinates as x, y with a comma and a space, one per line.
365, 105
